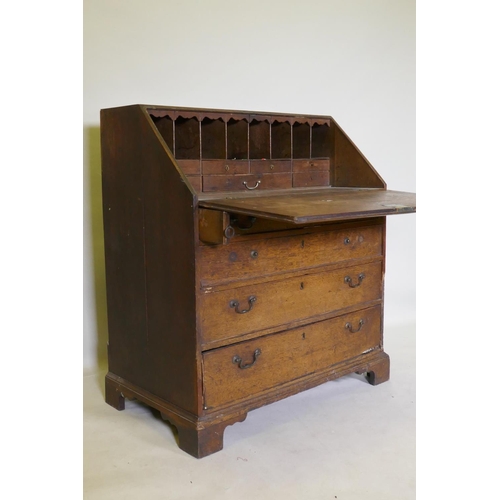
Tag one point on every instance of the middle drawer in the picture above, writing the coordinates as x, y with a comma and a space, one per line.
231, 313
255, 258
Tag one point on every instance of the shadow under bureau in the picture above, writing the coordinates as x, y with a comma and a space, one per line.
245, 261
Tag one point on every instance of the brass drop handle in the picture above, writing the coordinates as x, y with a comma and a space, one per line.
348, 280
348, 326
248, 187
234, 304
237, 360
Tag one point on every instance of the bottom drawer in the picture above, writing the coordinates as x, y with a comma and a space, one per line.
241, 370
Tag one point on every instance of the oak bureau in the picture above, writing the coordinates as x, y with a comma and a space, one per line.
245, 257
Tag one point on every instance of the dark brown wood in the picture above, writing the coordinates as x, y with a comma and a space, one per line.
201, 441
165, 126
308, 165
187, 138
321, 206
213, 138
281, 140
320, 140
237, 139
214, 114
113, 394
270, 166
150, 280
225, 167
218, 183
352, 169
190, 167
223, 298
312, 178
260, 139
301, 140
195, 182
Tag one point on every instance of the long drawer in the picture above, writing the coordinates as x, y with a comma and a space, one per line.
230, 313
248, 368
213, 183
248, 259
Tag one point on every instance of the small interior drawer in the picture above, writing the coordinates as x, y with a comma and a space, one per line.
248, 368
221, 167
214, 183
270, 166
311, 178
313, 164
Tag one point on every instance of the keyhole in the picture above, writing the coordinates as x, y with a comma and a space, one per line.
304, 335
302, 285
302, 244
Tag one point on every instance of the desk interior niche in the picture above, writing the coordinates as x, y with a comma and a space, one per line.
261, 151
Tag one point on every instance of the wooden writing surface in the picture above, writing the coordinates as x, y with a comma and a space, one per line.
324, 205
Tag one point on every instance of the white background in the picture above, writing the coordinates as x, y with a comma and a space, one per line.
353, 60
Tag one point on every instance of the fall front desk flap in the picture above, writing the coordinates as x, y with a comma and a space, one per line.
320, 205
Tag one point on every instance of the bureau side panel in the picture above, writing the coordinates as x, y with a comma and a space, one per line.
149, 240
169, 242
351, 168
124, 246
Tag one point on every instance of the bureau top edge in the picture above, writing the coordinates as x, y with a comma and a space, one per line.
201, 113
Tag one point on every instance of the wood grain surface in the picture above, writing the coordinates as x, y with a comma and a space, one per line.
283, 301
287, 356
246, 259
318, 206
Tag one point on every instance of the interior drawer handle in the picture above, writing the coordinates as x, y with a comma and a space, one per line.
349, 326
248, 187
237, 360
234, 304
348, 280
